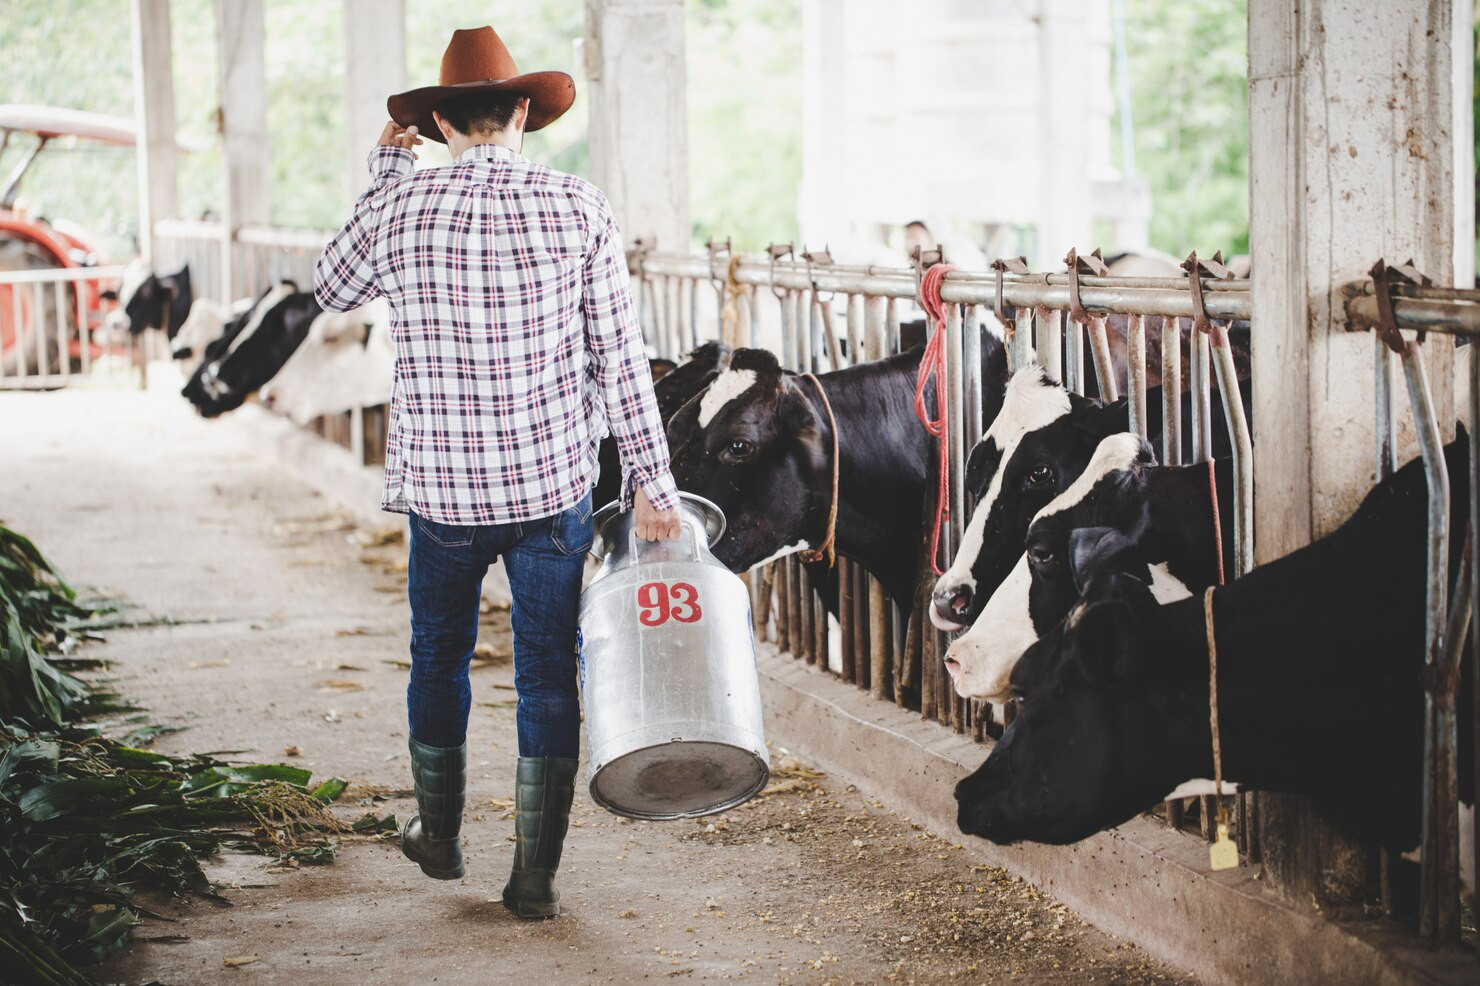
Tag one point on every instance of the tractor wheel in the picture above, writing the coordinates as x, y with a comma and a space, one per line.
37, 311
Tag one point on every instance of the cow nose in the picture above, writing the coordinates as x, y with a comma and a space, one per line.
948, 606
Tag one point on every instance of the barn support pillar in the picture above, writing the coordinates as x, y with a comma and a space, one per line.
154, 112
638, 132
824, 195
1351, 121
1064, 33
374, 66
246, 198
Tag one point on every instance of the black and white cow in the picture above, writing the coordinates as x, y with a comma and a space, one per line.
673, 387
1165, 513
1040, 443
258, 349
347, 361
1313, 650
206, 323
149, 301
758, 442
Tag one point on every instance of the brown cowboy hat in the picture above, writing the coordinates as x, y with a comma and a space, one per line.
477, 61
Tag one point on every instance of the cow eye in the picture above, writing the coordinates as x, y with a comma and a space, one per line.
1040, 556
1039, 475
738, 450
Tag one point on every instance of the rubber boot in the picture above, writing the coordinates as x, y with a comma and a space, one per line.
430, 838
542, 795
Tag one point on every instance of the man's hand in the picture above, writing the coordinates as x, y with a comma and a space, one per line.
394, 136
653, 524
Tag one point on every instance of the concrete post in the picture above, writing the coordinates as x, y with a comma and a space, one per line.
154, 111
374, 68
1351, 159
638, 134
824, 194
246, 199
1063, 134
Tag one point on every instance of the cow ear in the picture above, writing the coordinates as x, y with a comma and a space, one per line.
797, 415
1095, 552
1105, 639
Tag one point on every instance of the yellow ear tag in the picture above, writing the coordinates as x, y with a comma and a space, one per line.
1223, 851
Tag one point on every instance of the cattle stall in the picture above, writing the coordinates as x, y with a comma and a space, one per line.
1400, 298
829, 316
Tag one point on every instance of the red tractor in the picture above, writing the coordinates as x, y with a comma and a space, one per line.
29, 242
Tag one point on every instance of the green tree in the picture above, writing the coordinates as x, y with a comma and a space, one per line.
1190, 104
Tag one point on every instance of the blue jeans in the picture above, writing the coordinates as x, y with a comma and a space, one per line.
544, 560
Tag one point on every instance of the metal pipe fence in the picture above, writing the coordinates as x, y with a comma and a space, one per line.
49, 325
1396, 299
1058, 319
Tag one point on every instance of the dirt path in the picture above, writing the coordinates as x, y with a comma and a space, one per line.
284, 636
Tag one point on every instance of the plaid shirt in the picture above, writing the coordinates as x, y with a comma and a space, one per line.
517, 343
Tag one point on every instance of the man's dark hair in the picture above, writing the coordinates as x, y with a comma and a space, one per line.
912, 222
480, 112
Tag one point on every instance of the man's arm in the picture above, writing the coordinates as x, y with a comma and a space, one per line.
344, 276
614, 342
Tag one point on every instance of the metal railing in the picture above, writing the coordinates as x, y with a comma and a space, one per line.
1400, 298
827, 316
260, 255
48, 318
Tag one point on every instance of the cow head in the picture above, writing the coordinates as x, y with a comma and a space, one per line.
1108, 722
682, 381
149, 301
1040, 589
757, 443
1038, 444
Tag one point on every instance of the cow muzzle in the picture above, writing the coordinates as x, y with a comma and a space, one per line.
949, 606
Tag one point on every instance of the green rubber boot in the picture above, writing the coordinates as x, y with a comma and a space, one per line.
542, 795
430, 838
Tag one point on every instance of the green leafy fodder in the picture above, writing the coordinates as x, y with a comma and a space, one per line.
88, 821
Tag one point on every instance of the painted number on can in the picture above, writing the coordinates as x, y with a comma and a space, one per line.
658, 602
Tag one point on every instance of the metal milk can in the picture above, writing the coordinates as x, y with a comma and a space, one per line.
672, 702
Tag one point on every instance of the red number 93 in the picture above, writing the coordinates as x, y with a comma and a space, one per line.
657, 602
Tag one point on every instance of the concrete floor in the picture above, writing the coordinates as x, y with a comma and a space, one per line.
280, 628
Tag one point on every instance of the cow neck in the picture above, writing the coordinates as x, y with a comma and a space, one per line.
827, 549
1180, 514
1318, 681
881, 466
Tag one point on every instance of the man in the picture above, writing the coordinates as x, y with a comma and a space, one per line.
517, 347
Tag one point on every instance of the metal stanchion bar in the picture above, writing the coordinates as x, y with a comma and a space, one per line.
1099, 346
1050, 341
1073, 356
1135, 333
1473, 544
1171, 392
1202, 402
971, 367
1020, 351
1433, 853
1242, 444
855, 328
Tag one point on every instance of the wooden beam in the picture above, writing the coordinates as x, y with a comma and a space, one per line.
374, 69
154, 111
246, 197
638, 134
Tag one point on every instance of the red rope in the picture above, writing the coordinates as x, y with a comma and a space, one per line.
933, 364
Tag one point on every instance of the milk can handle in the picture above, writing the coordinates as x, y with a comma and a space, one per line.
639, 545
